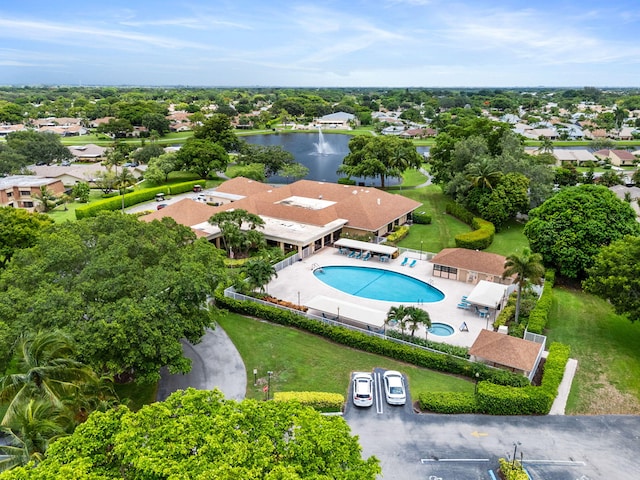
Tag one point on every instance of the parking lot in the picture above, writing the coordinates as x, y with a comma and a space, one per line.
448, 447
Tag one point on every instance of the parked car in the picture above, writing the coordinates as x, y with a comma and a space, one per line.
362, 389
394, 388
161, 206
65, 163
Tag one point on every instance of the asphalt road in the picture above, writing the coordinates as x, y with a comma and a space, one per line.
451, 447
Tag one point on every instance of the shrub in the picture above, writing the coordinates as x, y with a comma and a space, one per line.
346, 181
512, 470
462, 352
183, 187
422, 218
398, 234
322, 401
481, 237
459, 212
448, 402
540, 313
115, 203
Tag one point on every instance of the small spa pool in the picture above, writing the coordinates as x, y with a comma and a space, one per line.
378, 284
441, 329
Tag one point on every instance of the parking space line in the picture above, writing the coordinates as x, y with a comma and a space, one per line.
378, 398
568, 463
439, 460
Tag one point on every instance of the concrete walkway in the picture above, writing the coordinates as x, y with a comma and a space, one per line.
560, 403
215, 363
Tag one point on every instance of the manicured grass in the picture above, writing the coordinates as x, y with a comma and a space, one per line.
441, 232
509, 239
60, 215
304, 362
606, 347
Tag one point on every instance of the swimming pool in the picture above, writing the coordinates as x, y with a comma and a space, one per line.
378, 284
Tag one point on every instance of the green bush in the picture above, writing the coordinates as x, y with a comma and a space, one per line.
346, 181
422, 218
448, 402
501, 400
507, 314
183, 187
462, 352
481, 237
398, 234
512, 470
459, 212
321, 401
115, 203
554, 367
540, 314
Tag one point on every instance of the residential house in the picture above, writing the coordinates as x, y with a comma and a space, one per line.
303, 214
577, 156
618, 158
7, 129
22, 191
469, 266
88, 153
630, 193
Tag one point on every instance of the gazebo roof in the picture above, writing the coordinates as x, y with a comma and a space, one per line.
506, 350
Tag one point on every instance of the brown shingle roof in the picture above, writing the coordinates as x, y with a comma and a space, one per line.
473, 260
243, 186
506, 350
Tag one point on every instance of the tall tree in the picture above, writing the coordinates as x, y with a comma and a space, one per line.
615, 276
218, 129
19, 229
570, 228
397, 316
483, 174
127, 291
527, 268
236, 239
273, 157
202, 156
379, 156
38, 146
218, 438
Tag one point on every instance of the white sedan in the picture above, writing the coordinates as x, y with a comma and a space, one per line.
394, 389
362, 389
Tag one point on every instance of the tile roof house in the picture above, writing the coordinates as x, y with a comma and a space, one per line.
507, 352
469, 266
572, 156
88, 153
618, 158
22, 191
299, 215
337, 120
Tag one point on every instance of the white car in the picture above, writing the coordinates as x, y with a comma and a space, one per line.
362, 389
394, 388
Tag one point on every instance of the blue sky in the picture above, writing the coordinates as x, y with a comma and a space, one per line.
396, 43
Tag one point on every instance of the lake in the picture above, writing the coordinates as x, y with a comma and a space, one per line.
322, 153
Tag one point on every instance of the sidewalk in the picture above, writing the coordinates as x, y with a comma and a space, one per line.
560, 403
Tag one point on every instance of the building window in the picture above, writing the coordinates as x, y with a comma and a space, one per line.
445, 272
27, 204
25, 193
9, 194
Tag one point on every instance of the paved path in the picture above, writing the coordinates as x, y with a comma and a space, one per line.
215, 363
560, 403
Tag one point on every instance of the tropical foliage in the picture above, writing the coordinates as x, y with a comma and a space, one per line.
527, 268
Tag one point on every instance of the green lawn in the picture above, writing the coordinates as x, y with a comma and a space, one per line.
509, 239
441, 232
606, 347
304, 362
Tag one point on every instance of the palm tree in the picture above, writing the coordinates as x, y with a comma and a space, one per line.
397, 315
546, 144
259, 273
527, 267
46, 198
47, 370
483, 173
124, 179
34, 424
416, 317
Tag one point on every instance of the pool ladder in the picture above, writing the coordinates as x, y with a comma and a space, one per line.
315, 267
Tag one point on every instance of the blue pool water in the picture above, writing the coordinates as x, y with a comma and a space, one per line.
441, 329
378, 284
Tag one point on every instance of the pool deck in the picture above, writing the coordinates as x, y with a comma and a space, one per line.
298, 282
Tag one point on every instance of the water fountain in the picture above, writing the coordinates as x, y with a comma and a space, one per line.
323, 147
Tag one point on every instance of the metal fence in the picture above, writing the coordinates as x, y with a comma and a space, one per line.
421, 255
231, 293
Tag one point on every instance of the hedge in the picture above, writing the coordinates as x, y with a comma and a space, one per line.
459, 212
540, 314
130, 199
322, 401
448, 402
422, 218
372, 344
481, 237
455, 350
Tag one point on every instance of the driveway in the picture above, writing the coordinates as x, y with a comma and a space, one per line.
215, 363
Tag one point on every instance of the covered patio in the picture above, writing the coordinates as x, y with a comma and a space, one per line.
346, 245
